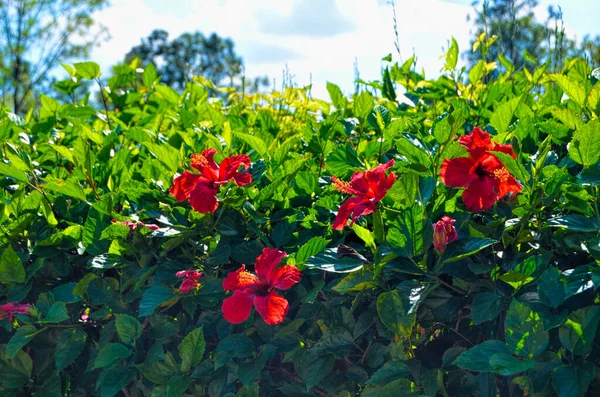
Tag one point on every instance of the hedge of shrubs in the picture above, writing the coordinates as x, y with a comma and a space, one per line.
442, 241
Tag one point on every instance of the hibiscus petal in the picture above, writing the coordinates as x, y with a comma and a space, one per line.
480, 195
477, 139
362, 207
203, 198
236, 309
285, 277
272, 308
242, 178
344, 212
187, 285
183, 184
241, 279
266, 262
504, 149
510, 185
458, 172
230, 166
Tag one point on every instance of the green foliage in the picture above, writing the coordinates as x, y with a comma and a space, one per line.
93, 240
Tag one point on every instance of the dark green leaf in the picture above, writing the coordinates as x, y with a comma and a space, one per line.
486, 306
110, 353
191, 349
11, 267
478, 357
524, 331
579, 330
128, 328
394, 315
70, 345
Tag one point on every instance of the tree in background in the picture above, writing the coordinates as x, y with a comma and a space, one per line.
590, 47
191, 54
515, 26
37, 34
522, 38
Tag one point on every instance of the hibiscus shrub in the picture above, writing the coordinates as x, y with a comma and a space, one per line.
440, 242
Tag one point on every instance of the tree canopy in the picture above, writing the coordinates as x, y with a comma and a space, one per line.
37, 34
191, 54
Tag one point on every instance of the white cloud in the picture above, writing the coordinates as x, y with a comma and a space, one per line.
423, 27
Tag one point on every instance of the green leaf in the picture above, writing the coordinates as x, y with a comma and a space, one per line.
232, 347
329, 261
405, 189
56, 314
452, 56
250, 372
81, 288
363, 104
254, 142
95, 223
466, 246
191, 349
336, 95
11, 267
503, 114
128, 328
115, 231
506, 365
16, 372
365, 235
314, 369
69, 346
394, 315
52, 386
442, 130
486, 306
68, 188
154, 297
23, 336
516, 279
109, 354
50, 104
573, 381
149, 75
388, 372
575, 222
477, 72
165, 153
574, 89
88, 70
524, 331
13, 172
550, 289
478, 357
585, 146
355, 281
579, 330
116, 378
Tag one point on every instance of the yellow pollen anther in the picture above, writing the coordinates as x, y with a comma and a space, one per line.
199, 160
502, 174
341, 186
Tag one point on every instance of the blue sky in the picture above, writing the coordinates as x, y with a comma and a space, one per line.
318, 40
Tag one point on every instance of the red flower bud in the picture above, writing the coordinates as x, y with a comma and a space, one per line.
444, 232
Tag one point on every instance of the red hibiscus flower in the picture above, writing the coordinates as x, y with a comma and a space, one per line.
201, 189
12, 308
485, 178
368, 187
258, 289
190, 282
444, 232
